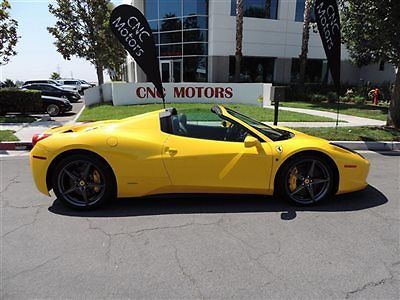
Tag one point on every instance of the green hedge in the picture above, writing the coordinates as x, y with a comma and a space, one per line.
22, 101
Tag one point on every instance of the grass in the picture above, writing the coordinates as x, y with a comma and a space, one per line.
358, 110
195, 112
7, 135
363, 133
17, 119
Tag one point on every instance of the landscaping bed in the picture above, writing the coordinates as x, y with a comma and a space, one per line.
363, 133
195, 112
7, 135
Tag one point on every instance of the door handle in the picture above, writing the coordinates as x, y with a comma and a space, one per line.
171, 151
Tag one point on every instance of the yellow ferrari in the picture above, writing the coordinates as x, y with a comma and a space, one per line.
164, 152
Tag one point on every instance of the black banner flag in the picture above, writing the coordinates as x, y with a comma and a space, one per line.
133, 31
328, 22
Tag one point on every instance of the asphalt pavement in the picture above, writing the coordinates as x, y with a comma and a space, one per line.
191, 247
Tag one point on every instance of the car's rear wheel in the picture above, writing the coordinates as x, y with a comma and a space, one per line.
53, 110
83, 182
306, 180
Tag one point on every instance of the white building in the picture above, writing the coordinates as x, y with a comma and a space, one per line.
196, 42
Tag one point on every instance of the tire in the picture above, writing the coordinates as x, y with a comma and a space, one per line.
83, 182
53, 110
305, 180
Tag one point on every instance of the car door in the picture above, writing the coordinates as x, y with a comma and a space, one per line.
200, 164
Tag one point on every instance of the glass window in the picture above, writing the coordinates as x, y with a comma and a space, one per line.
155, 38
195, 49
171, 37
151, 9
195, 35
153, 25
257, 8
194, 7
170, 8
171, 24
316, 71
300, 11
195, 69
195, 22
253, 69
171, 50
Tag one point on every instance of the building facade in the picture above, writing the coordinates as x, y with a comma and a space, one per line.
196, 43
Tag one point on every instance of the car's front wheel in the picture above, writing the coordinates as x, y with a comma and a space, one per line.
83, 182
306, 180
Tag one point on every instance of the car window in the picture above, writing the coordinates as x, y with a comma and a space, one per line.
206, 126
70, 82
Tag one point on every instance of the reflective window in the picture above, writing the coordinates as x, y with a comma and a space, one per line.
299, 17
195, 69
170, 8
180, 31
171, 50
194, 7
195, 49
171, 37
253, 69
195, 22
171, 24
151, 9
195, 35
267, 9
316, 70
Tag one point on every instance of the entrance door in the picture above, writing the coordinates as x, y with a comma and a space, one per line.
171, 70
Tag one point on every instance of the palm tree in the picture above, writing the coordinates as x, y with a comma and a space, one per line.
239, 38
306, 36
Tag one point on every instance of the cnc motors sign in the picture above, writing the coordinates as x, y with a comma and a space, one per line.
193, 92
188, 92
328, 22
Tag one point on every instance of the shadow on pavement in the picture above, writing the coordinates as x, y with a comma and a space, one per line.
213, 203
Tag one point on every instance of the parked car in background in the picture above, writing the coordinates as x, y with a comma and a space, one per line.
55, 106
52, 82
85, 85
54, 91
72, 83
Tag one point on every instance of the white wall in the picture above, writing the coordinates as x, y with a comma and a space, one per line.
224, 93
262, 37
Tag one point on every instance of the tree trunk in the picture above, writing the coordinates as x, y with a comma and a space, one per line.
100, 76
304, 44
239, 38
394, 109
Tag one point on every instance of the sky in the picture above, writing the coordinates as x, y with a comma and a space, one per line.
37, 56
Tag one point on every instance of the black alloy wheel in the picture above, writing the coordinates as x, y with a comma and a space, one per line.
306, 180
83, 182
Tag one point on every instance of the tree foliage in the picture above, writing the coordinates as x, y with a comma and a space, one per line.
55, 76
82, 30
371, 32
8, 33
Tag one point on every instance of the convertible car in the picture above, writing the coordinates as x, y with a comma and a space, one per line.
166, 151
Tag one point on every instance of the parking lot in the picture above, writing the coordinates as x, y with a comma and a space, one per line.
210, 246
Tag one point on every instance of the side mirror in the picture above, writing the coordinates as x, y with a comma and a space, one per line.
251, 141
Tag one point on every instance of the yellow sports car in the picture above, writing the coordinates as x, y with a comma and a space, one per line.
164, 151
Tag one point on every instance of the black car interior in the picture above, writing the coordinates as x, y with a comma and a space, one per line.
177, 124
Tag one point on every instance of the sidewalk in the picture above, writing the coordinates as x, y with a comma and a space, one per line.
350, 120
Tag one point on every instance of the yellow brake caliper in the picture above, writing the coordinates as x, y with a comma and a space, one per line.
293, 179
96, 179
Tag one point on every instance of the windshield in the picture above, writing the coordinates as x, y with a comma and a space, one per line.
272, 133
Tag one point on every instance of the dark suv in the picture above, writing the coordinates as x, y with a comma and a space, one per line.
51, 90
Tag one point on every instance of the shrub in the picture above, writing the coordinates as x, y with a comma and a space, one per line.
14, 100
317, 98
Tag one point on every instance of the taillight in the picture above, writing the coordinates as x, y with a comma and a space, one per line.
38, 137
